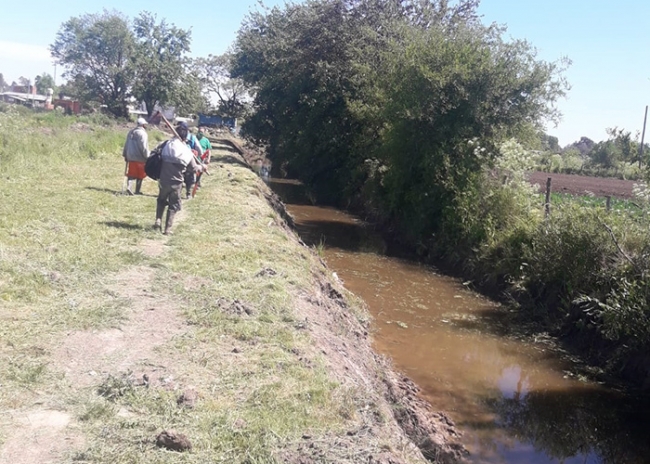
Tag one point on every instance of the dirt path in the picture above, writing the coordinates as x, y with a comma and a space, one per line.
299, 357
46, 433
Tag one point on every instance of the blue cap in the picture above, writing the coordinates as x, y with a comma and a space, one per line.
182, 125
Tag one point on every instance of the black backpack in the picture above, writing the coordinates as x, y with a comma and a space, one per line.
153, 165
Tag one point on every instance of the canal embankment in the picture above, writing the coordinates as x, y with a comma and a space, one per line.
228, 341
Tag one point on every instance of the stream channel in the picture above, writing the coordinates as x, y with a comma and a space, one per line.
514, 401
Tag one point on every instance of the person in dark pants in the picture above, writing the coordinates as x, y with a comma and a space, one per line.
177, 161
195, 146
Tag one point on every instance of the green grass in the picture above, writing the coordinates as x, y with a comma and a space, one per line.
630, 208
65, 232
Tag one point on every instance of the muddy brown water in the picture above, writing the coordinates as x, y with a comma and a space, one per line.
514, 401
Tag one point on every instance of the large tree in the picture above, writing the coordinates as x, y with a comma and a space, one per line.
420, 88
97, 50
160, 61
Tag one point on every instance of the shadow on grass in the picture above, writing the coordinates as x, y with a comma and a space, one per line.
117, 192
105, 190
123, 225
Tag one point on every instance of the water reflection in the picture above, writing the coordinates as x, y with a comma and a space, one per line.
514, 401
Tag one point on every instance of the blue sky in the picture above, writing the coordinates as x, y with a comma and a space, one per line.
608, 43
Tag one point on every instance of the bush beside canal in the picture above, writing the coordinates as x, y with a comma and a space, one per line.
409, 112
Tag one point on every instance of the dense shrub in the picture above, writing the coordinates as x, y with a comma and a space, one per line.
402, 108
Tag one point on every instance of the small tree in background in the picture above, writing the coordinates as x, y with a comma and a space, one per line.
159, 61
44, 82
231, 92
189, 97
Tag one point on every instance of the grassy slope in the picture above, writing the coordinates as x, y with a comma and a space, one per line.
65, 233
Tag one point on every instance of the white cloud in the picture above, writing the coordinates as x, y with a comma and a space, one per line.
24, 52
18, 59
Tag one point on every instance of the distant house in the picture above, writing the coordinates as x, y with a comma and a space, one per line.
68, 105
23, 95
26, 95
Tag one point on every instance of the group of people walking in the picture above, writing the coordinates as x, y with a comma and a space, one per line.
184, 159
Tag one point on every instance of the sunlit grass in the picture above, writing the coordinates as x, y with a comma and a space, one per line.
65, 232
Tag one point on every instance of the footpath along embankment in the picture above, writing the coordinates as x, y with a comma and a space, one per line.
228, 341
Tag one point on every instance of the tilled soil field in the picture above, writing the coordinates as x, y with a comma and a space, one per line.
583, 185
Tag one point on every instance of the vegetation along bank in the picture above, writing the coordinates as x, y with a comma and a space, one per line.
226, 342
427, 121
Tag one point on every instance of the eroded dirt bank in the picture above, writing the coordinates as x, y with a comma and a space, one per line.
342, 336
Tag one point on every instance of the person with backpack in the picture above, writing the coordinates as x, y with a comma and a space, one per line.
177, 161
135, 153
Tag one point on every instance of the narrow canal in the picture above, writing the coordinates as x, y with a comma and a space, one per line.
514, 401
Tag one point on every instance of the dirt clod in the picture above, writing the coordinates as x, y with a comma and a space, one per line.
188, 399
174, 441
333, 294
266, 272
235, 307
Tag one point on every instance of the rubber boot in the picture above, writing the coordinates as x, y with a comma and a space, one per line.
128, 187
160, 209
169, 222
138, 186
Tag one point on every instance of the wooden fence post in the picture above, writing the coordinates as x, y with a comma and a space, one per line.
608, 202
547, 203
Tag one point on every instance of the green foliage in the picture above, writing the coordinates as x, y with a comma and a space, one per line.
189, 96
159, 60
448, 103
616, 157
96, 50
338, 83
409, 109
296, 60
44, 82
575, 232
108, 59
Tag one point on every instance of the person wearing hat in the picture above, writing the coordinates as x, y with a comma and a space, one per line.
195, 146
135, 153
177, 161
